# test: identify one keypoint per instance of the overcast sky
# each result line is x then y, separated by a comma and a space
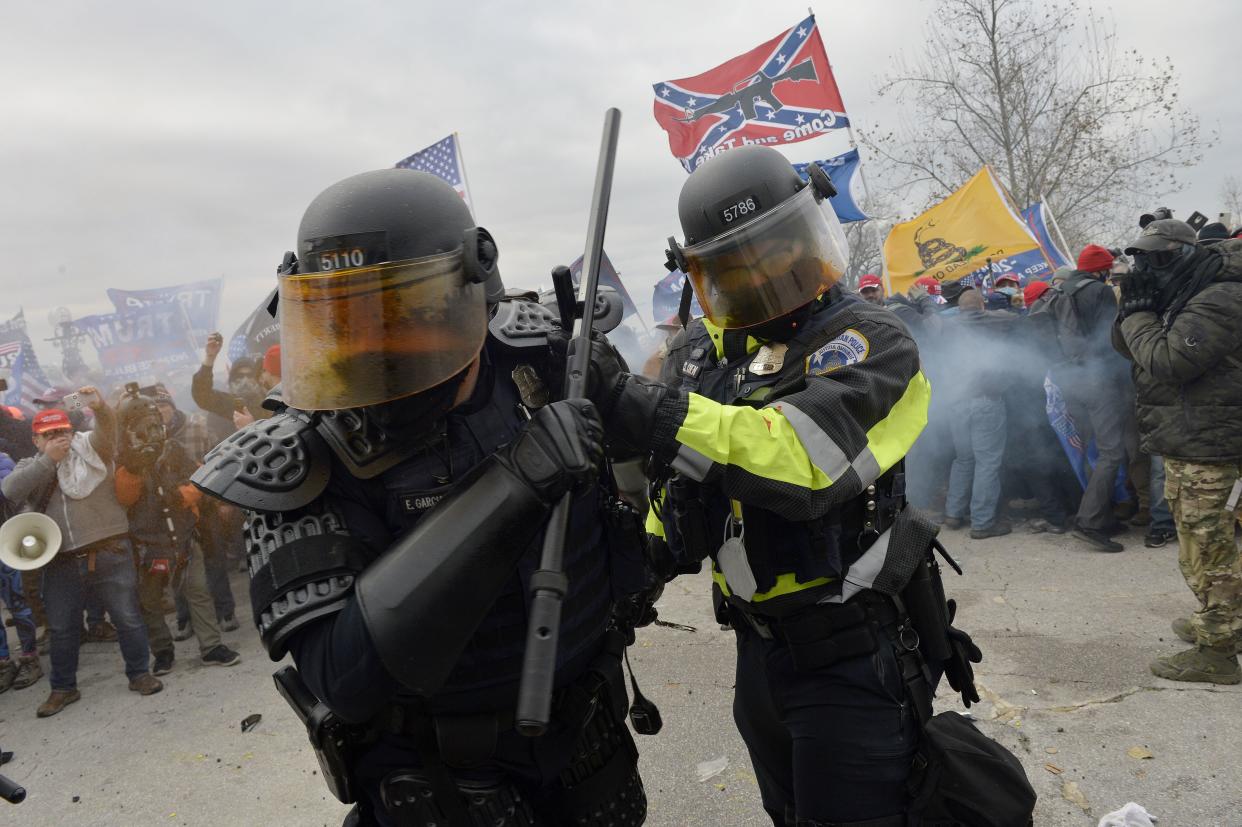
146, 143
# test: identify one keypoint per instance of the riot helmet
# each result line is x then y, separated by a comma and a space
388, 294
760, 242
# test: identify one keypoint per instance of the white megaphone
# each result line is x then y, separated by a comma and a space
29, 541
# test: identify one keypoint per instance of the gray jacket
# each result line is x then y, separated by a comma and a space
95, 517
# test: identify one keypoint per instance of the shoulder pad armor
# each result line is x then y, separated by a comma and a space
519, 323
302, 567
368, 441
274, 464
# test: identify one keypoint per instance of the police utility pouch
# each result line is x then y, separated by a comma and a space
962, 778
827, 633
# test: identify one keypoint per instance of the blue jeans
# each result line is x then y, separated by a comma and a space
1161, 514
115, 580
975, 477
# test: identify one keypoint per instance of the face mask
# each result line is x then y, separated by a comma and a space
420, 411
1007, 291
246, 388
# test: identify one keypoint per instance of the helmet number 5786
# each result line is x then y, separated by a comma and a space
735, 211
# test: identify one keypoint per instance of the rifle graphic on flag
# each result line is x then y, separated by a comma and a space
780, 92
443, 160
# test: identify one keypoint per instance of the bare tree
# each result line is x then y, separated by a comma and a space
866, 238
1045, 94
1231, 198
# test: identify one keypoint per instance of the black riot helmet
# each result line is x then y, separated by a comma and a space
388, 296
759, 241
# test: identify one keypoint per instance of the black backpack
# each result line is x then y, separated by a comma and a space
962, 778
1056, 321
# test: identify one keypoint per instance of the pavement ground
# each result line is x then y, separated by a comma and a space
1067, 634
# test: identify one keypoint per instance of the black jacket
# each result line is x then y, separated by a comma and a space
1188, 370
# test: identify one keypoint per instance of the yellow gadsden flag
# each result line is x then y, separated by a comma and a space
958, 236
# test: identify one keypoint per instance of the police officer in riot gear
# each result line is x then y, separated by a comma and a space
782, 421
395, 516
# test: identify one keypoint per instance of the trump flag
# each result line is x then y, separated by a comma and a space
778, 93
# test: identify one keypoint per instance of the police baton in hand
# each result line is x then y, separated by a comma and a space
549, 584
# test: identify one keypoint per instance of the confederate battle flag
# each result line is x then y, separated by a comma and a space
777, 93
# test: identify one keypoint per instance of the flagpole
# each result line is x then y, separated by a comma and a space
1065, 248
465, 179
862, 175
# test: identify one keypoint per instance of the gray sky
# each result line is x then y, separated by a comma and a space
145, 143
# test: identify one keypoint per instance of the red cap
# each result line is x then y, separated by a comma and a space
271, 361
15, 412
870, 280
1094, 259
1034, 290
53, 419
1008, 277
930, 283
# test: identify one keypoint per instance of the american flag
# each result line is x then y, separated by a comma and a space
19, 365
443, 160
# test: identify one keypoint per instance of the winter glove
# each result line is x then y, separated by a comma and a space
1138, 293
560, 450
958, 667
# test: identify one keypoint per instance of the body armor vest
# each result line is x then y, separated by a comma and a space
395, 500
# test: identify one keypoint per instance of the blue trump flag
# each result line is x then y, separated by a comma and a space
666, 298
1036, 218
841, 170
154, 340
201, 300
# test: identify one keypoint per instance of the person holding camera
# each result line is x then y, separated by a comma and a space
1178, 324
71, 481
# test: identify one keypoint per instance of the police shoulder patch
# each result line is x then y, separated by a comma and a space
849, 348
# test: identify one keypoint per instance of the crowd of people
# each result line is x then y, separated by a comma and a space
1105, 398
138, 542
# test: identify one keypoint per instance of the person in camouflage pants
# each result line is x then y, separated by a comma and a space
1209, 559
1179, 326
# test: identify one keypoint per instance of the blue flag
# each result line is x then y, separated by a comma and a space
260, 331
1035, 217
608, 277
666, 298
201, 300
1082, 455
841, 170
147, 342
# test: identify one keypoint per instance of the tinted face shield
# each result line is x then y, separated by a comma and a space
770, 266
368, 335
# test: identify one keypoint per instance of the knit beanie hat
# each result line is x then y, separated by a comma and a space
1094, 259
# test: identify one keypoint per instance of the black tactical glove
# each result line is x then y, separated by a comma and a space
560, 450
1138, 292
606, 362
640, 416
958, 667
